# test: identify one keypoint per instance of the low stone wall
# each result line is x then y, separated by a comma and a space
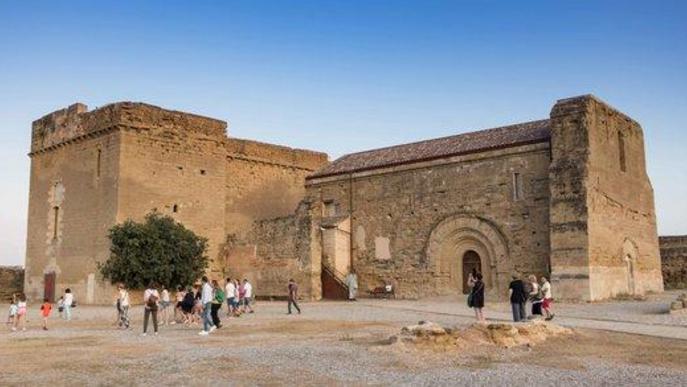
11, 281
674, 261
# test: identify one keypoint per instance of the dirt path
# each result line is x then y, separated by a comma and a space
330, 344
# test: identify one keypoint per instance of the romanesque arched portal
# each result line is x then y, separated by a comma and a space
459, 236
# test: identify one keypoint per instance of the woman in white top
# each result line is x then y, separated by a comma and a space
20, 319
165, 303
67, 303
151, 297
548, 299
230, 294
123, 302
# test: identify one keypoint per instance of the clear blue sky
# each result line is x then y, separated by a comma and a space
345, 76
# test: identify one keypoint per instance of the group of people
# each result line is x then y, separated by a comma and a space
538, 294
17, 316
193, 305
199, 304
520, 292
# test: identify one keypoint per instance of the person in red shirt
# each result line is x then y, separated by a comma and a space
46, 308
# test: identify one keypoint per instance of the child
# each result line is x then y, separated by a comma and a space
12, 313
20, 320
60, 306
165, 303
46, 308
68, 303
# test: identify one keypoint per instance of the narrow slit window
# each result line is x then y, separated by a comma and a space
175, 208
621, 152
517, 186
98, 163
55, 222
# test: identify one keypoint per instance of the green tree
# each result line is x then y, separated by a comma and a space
159, 249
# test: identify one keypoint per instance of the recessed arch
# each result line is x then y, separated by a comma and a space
629, 257
453, 237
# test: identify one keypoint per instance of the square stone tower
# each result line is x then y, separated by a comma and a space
90, 170
603, 222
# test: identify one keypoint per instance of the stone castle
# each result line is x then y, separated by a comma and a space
566, 196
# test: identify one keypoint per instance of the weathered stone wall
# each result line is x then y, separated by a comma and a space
674, 261
412, 224
268, 238
72, 203
603, 224
178, 173
579, 206
11, 282
272, 251
264, 181
123, 160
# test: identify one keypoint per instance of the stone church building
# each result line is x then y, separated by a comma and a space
566, 197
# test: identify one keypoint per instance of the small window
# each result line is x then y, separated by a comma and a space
202, 172
329, 208
55, 223
175, 208
621, 152
517, 186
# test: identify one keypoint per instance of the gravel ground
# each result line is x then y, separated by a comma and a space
330, 344
653, 311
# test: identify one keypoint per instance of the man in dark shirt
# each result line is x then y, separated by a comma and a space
293, 296
518, 297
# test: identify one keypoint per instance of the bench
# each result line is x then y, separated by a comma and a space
383, 292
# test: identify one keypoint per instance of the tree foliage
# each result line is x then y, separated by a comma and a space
159, 249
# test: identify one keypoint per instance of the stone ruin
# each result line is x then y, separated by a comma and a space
429, 335
679, 306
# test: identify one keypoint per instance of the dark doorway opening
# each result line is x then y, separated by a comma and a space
471, 261
49, 286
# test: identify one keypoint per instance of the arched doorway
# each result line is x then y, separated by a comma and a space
471, 261
629, 257
464, 239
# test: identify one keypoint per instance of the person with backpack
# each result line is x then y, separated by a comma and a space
151, 297
476, 296
217, 301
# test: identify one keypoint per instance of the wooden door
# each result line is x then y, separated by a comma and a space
49, 286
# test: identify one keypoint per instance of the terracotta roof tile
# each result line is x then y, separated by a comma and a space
483, 140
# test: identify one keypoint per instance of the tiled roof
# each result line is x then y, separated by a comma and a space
480, 141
